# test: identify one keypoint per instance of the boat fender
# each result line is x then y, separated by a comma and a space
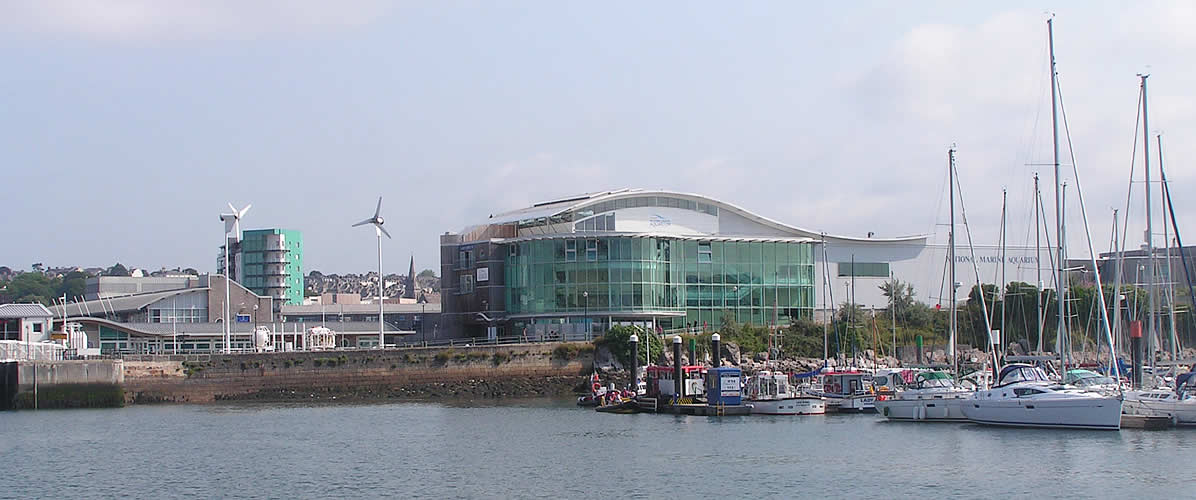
881, 397
596, 386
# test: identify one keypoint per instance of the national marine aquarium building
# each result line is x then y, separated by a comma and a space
654, 259
667, 259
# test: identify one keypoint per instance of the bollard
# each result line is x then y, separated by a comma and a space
716, 356
1135, 353
635, 364
678, 387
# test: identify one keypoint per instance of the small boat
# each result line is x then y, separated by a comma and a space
1025, 397
1179, 405
1091, 381
932, 397
769, 393
849, 391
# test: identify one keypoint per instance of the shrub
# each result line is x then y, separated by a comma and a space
444, 356
499, 358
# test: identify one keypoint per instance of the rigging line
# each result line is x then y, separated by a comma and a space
1054, 278
963, 213
1088, 234
1129, 192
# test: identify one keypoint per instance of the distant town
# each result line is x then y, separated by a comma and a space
43, 284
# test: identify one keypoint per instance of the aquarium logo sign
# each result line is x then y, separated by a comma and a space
657, 220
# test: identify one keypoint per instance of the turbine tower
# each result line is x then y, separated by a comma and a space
232, 224
377, 221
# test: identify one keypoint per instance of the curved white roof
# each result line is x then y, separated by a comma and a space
556, 207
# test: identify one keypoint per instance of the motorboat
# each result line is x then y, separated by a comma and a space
1025, 397
1179, 405
769, 393
933, 396
846, 391
1091, 381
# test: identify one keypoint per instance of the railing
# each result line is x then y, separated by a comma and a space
17, 350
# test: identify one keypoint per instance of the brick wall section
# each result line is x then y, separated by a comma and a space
237, 375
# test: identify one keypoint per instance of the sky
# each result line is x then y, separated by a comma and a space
127, 126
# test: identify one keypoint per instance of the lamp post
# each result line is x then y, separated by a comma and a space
585, 320
735, 293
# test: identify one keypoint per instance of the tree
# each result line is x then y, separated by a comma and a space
30, 287
71, 285
899, 293
618, 341
191, 270
426, 273
117, 269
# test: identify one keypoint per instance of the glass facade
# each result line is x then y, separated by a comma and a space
695, 280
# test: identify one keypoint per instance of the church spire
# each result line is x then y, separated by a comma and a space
409, 292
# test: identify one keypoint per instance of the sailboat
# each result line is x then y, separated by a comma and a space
1023, 395
933, 396
1178, 403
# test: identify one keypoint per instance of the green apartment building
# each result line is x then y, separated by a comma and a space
271, 264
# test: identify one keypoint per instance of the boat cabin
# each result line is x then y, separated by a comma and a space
660, 381
846, 383
1012, 374
766, 385
1087, 378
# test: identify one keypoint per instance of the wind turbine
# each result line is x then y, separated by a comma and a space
232, 223
377, 221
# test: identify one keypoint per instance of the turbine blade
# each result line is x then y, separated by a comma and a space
231, 207
243, 210
364, 222
378, 211
380, 228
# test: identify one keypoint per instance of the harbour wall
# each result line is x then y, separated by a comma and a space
61, 384
489, 371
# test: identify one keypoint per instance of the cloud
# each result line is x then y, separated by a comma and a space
186, 20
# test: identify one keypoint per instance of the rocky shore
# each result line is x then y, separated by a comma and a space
504, 388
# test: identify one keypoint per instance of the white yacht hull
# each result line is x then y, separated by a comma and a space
788, 406
1069, 413
852, 404
928, 409
1180, 412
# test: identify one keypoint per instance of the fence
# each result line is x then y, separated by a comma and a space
16, 350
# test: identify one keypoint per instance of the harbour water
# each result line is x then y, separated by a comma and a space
551, 448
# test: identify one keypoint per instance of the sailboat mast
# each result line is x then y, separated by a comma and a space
1151, 293
1058, 199
951, 258
1037, 259
1004, 198
1116, 326
894, 292
1163, 199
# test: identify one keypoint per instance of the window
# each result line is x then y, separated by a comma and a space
591, 249
704, 251
571, 250
864, 269
514, 250
466, 283
37, 328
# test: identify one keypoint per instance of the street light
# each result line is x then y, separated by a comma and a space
585, 320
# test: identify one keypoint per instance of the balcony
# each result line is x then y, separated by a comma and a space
275, 258
276, 270
276, 282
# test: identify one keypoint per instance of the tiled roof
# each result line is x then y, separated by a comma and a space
24, 311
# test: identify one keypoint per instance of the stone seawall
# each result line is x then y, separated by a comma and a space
490, 371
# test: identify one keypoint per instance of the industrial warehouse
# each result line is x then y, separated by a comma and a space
572, 267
